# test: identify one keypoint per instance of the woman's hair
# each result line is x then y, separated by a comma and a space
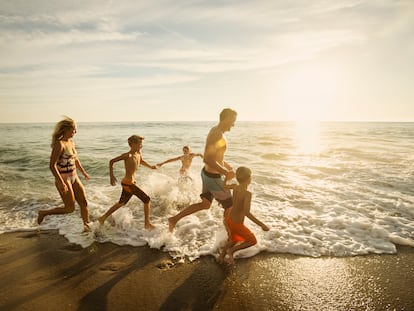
243, 174
60, 128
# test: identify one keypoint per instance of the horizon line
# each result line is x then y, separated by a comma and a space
177, 121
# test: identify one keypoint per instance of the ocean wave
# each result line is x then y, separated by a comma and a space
351, 196
274, 156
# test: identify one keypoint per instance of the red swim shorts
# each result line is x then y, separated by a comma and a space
239, 232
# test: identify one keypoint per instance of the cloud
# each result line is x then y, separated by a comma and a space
97, 47
86, 47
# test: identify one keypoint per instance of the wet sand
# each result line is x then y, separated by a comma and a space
43, 271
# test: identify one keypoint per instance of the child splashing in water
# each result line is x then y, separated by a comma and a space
186, 160
240, 237
132, 160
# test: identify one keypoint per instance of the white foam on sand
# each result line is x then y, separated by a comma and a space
310, 228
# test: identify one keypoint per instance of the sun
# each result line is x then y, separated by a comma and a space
310, 93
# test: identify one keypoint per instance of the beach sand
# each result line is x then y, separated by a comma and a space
43, 271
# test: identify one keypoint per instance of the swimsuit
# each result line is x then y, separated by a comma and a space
70, 177
213, 187
66, 163
239, 232
129, 188
67, 167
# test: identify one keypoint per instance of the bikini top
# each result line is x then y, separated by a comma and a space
66, 162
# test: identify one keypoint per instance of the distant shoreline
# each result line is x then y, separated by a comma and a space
206, 121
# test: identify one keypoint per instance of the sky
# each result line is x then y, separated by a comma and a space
132, 60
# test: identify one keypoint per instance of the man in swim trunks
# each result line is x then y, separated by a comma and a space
240, 236
214, 171
132, 160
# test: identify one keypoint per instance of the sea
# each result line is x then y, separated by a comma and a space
324, 189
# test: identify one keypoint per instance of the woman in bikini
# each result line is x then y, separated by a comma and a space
63, 163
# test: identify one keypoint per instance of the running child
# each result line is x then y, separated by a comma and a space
240, 237
132, 160
186, 159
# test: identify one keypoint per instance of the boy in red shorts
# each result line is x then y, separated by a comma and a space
240, 236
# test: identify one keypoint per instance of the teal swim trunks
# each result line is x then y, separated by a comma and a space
213, 187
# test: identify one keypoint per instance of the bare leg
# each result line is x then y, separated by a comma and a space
223, 253
109, 212
229, 242
230, 259
68, 199
54, 211
148, 224
225, 215
40, 215
193, 208
235, 248
85, 217
80, 197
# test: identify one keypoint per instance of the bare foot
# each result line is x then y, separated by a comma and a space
111, 221
149, 226
86, 227
101, 220
220, 258
230, 260
40, 217
171, 224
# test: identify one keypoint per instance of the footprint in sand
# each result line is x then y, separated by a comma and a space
165, 264
72, 247
4, 249
112, 267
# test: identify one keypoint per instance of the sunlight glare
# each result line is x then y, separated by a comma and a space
306, 136
310, 93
